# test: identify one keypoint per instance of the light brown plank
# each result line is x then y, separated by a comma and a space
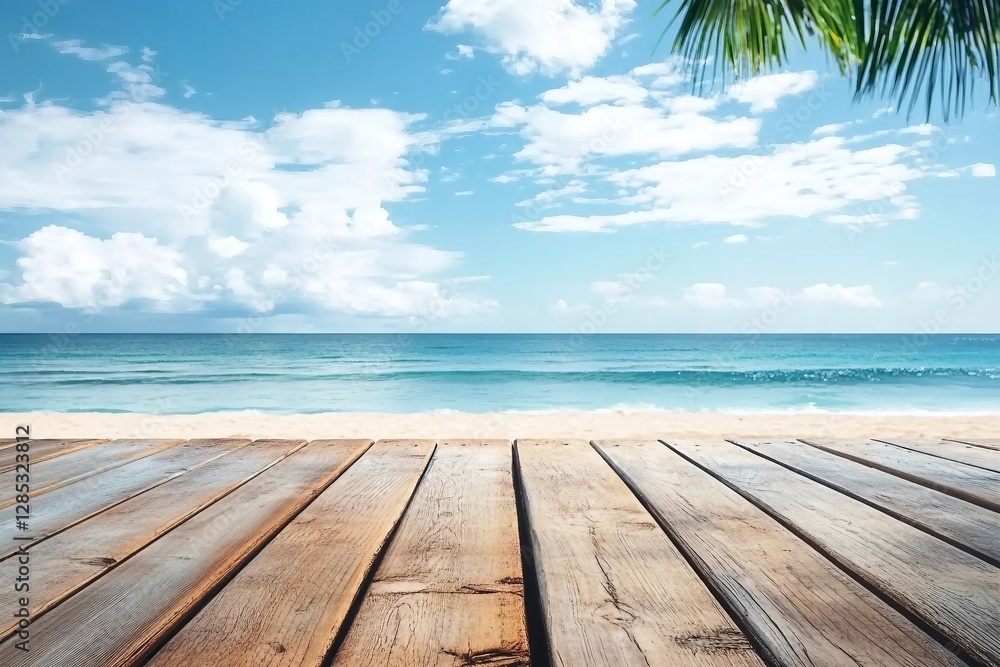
950, 590
42, 450
69, 561
614, 590
449, 590
120, 617
978, 442
76, 502
953, 451
287, 605
5, 443
58, 472
973, 527
803, 610
974, 485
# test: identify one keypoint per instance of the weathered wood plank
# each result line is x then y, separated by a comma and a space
69, 561
978, 442
973, 527
58, 472
449, 590
802, 609
952, 451
76, 502
614, 590
974, 485
287, 606
118, 619
950, 590
42, 450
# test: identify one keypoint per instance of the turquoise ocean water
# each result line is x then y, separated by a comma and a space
178, 374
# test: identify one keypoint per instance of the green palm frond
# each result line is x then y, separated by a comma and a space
900, 48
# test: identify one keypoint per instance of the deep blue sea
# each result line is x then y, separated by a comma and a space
178, 374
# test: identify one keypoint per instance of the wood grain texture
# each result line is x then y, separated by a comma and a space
121, 617
449, 590
42, 450
975, 528
802, 609
614, 590
69, 561
974, 485
953, 451
978, 442
58, 472
950, 590
288, 604
76, 502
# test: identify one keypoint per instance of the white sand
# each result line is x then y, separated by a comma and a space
591, 425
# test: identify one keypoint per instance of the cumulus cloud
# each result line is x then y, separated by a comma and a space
983, 170
65, 266
546, 36
763, 92
177, 210
736, 239
861, 296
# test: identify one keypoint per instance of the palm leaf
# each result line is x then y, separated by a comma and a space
906, 49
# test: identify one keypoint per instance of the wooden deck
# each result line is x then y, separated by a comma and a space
486, 552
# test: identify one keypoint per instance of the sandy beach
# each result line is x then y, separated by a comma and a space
569, 424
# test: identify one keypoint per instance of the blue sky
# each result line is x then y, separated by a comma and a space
469, 165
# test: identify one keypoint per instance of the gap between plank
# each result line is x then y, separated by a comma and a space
114, 566
760, 649
934, 634
366, 582
539, 649
154, 647
972, 551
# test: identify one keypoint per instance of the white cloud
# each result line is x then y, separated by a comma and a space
763, 92
700, 244
802, 180
591, 90
717, 295
76, 48
465, 193
983, 170
547, 36
67, 267
931, 291
707, 295
189, 90
177, 210
559, 140
861, 296
736, 239
832, 128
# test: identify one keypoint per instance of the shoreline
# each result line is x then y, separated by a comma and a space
609, 424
